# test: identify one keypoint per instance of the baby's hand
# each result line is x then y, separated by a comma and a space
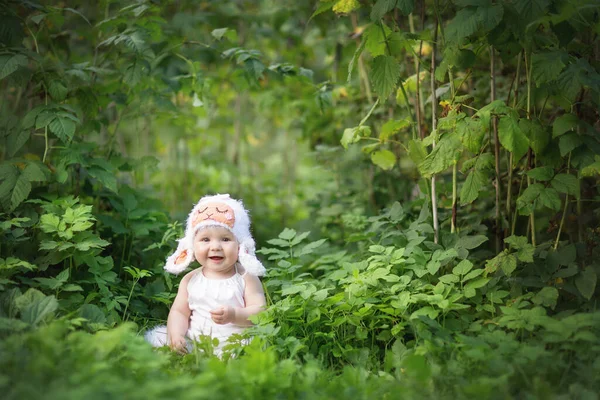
179, 345
223, 315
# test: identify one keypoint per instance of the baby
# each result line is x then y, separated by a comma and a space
217, 298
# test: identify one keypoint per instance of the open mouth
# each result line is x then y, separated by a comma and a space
216, 258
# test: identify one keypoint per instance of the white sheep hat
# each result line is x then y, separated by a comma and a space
218, 210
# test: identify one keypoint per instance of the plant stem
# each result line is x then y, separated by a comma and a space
510, 159
128, 299
562, 219
496, 150
528, 74
454, 210
417, 60
433, 128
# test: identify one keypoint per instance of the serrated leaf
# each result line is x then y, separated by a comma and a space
511, 137
345, 6
446, 152
541, 173
547, 66
57, 90
35, 306
106, 178
405, 6
381, 7
471, 133
586, 282
322, 7
34, 173
287, 234
20, 191
506, 262
476, 180
568, 143
392, 127
464, 24
471, 242
528, 10
528, 197
254, 68
385, 74
63, 128
16, 140
375, 39
546, 297
477, 283
566, 183
564, 123
537, 135
133, 73
549, 198
416, 151
349, 136
355, 57
9, 63
384, 159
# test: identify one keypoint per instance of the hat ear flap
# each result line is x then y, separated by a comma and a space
180, 259
248, 259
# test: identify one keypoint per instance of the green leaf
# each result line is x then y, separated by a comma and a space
375, 39
541, 173
350, 136
322, 7
592, 169
355, 57
229, 34
471, 242
9, 63
564, 123
20, 192
392, 127
35, 306
464, 24
566, 183
549, 198
16, 140
477, 283
529, 10
416, 151
381, 8
385, 74
445, 153
568, 143
133, 73
384, 159
91, 242
490, 16
57, 90
405, 6
471, 133
537, 135
476, 180
462, 268
505, 261
34, 173
547, 66
63, 128
287, 234
106, 178
546, 297
345, 6
279, 242
586, 282
527, 198
511, 137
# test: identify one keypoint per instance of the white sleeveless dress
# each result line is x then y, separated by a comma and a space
206, 294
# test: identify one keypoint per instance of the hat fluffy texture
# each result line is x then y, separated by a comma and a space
219, 210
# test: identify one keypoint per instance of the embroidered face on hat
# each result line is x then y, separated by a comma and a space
218, 210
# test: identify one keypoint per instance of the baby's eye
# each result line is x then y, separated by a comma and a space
204, 239
226, 239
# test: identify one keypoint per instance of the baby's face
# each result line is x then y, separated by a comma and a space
217, 212
216, 249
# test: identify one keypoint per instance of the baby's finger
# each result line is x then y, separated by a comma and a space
216, 312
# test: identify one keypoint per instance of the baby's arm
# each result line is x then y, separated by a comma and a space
179, 316
254, 297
